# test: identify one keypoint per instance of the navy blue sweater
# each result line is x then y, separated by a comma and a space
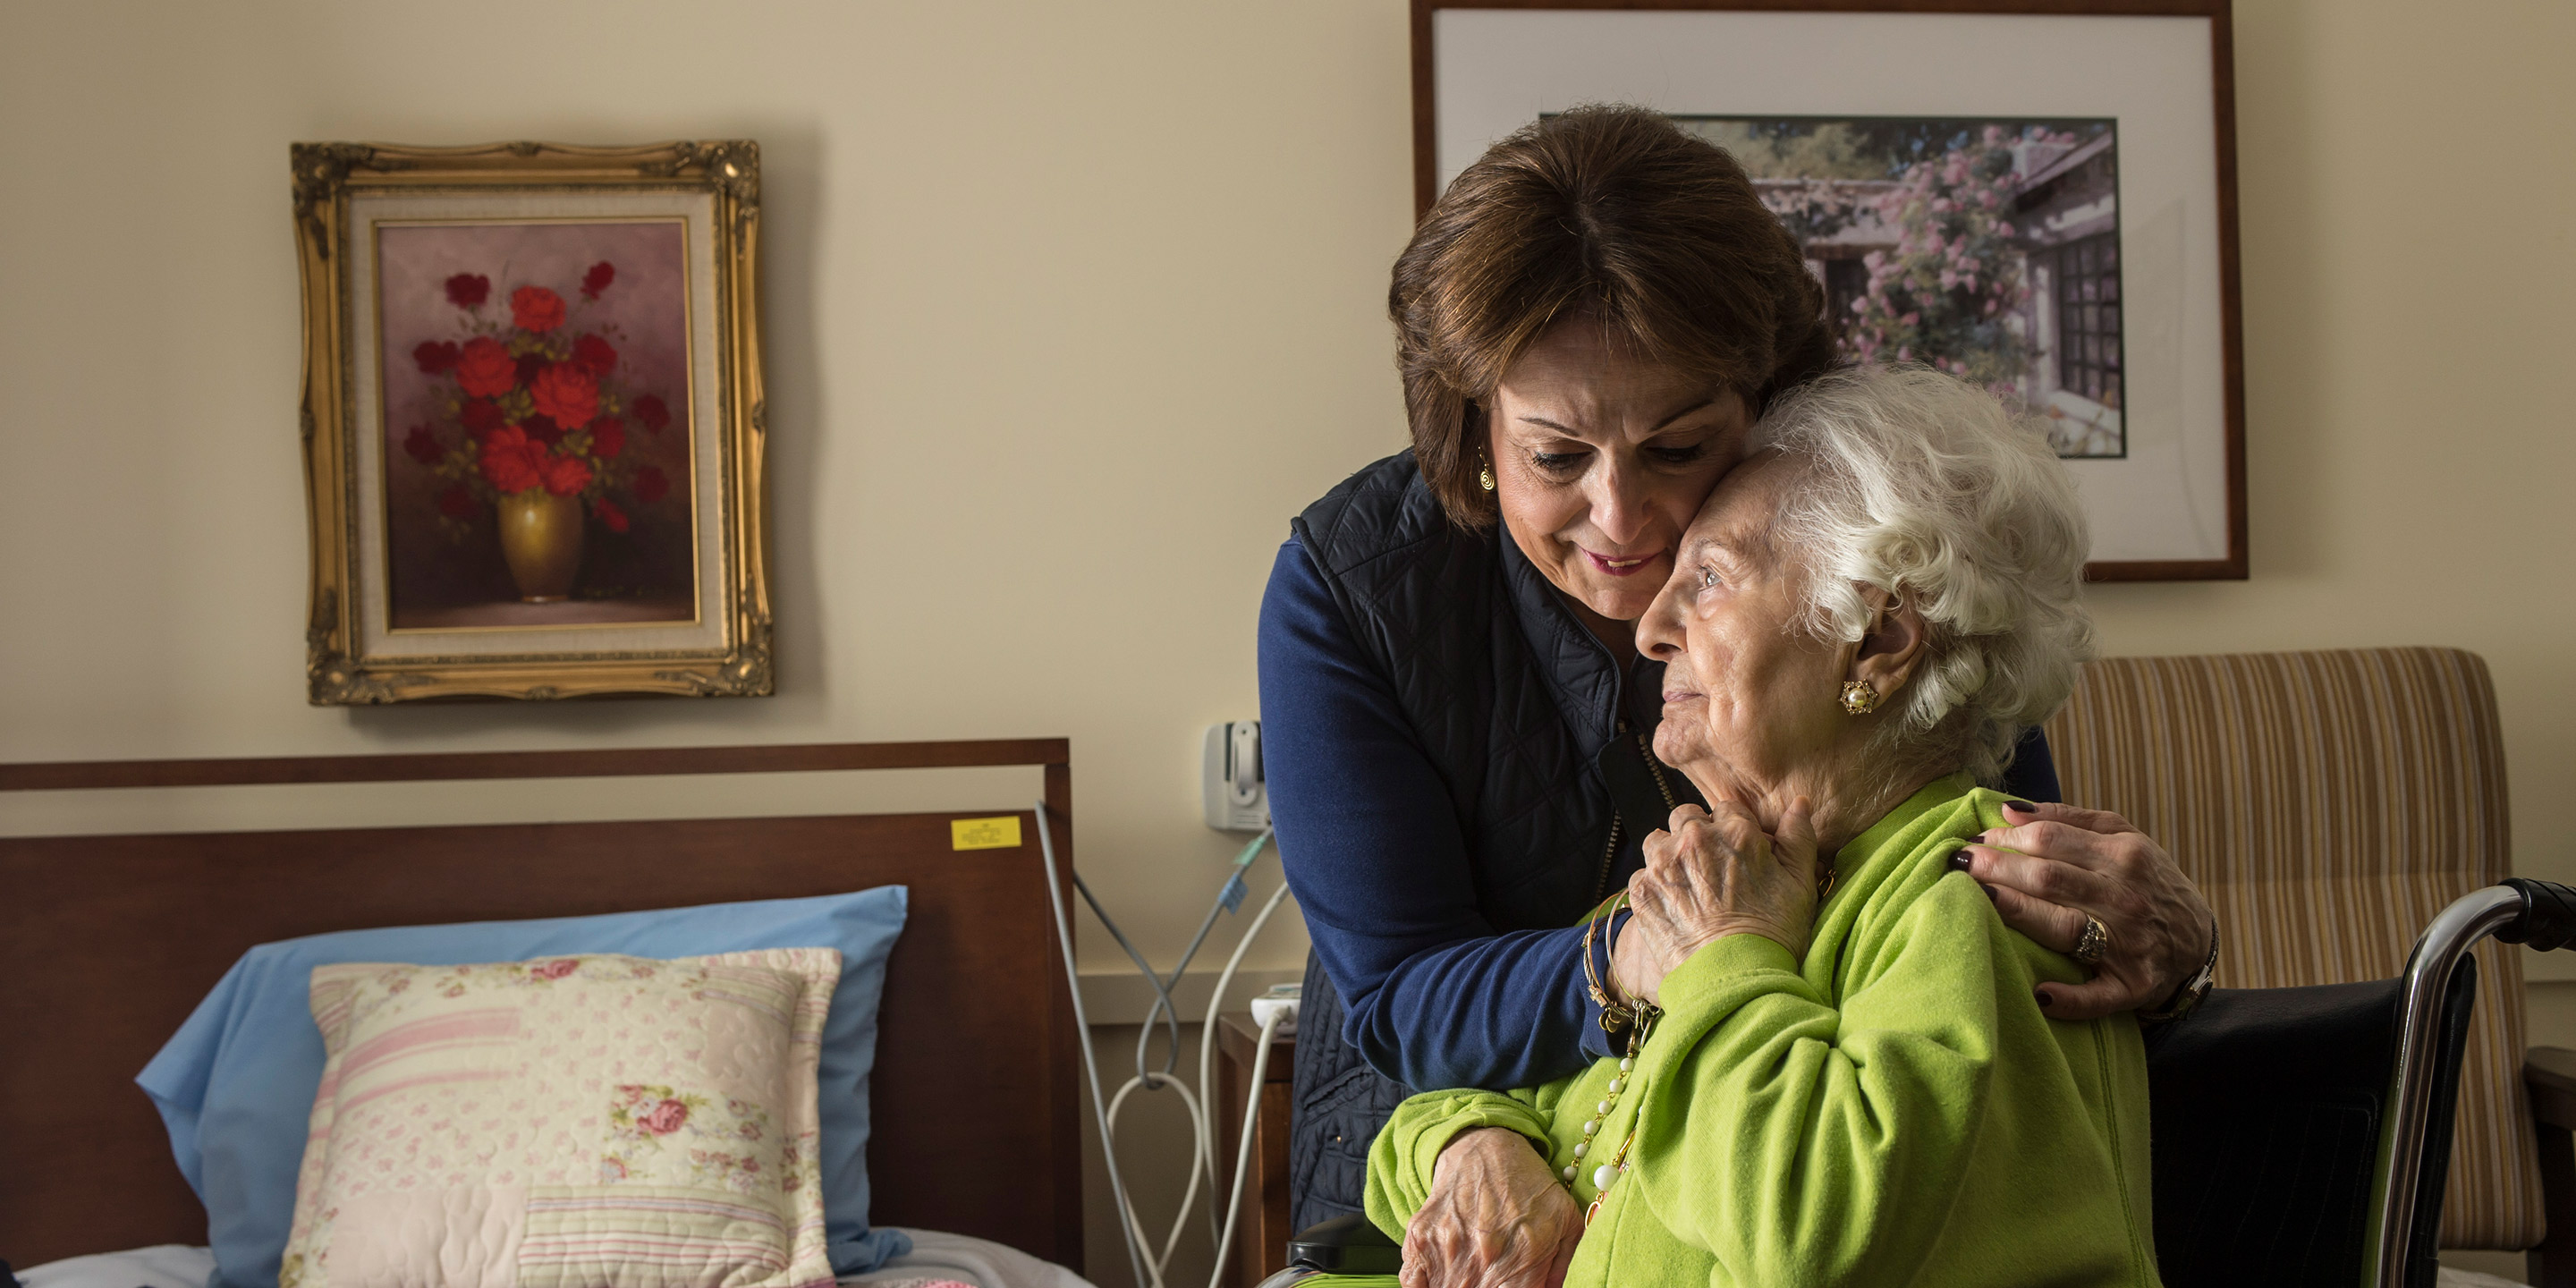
1434, 996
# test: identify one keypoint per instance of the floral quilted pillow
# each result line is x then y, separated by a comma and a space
567, 1123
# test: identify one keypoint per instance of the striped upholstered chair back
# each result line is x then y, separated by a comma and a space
2329, 804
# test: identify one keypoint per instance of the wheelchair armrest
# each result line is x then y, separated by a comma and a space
1347, 1245
2550, 1074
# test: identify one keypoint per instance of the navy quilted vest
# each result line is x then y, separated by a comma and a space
1512, 700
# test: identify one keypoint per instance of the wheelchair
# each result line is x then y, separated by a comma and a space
2302, 1135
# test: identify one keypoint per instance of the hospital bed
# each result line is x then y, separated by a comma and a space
108, 942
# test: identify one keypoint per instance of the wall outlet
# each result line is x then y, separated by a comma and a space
1230, 781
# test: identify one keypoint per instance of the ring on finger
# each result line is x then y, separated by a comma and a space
2089, 946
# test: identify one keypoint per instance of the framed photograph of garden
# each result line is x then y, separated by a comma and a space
532, 421
2036, 200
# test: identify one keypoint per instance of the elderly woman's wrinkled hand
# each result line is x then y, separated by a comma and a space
1495, 1218
2048, 874
1715, 873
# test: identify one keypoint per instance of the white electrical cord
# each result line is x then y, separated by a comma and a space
1147, 1265
1207, 1036
1189, 1196
1082, 1038
1243, 1147
1202, 1125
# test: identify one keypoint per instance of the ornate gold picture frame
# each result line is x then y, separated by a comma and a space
533, 421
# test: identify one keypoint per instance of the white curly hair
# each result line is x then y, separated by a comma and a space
1931, 491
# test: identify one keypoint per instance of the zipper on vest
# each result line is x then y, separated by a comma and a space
1609, 856
1656, 769
1610, 848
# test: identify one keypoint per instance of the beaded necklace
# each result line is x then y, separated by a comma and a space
1631, 1021
1635, 1021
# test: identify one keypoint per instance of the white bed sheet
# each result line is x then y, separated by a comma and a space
980, 1262
935, 1255
171, 1265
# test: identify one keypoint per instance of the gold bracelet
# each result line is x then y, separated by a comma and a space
1592, 925
1619, 1019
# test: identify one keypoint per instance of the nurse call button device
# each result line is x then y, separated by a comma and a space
1230, 780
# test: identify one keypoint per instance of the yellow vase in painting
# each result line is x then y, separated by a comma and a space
541, 539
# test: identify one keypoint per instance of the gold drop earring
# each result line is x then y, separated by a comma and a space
1484, 476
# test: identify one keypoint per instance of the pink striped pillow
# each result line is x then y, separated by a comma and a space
565, 1122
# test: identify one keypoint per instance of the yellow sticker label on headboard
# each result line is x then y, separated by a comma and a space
984, 833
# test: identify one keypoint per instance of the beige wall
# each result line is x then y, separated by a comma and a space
1070, 307
2407, 243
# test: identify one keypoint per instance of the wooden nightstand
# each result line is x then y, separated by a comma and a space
1261, 1233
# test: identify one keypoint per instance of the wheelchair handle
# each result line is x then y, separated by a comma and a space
2547, 921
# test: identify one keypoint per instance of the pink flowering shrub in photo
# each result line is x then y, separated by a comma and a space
1951, 291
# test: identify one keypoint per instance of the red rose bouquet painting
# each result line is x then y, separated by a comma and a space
536, 467
534, 426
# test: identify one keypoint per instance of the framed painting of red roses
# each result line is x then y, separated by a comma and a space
532, 421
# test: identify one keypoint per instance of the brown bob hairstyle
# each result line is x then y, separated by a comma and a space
1609, 212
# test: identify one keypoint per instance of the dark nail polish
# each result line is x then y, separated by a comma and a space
1959, 861
2042, 995
1990, 890
2024, 806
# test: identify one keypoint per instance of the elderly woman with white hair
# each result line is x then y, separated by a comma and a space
1834, 1068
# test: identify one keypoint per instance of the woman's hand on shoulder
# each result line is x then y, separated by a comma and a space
1715, 873
1495, 1218
2047, 873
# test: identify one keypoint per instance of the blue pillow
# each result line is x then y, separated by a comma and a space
236, 1083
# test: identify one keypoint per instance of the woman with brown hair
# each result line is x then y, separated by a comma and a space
1458, 725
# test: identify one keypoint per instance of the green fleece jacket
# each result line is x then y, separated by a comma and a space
1896, 1110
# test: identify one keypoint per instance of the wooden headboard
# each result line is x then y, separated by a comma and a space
108, 942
